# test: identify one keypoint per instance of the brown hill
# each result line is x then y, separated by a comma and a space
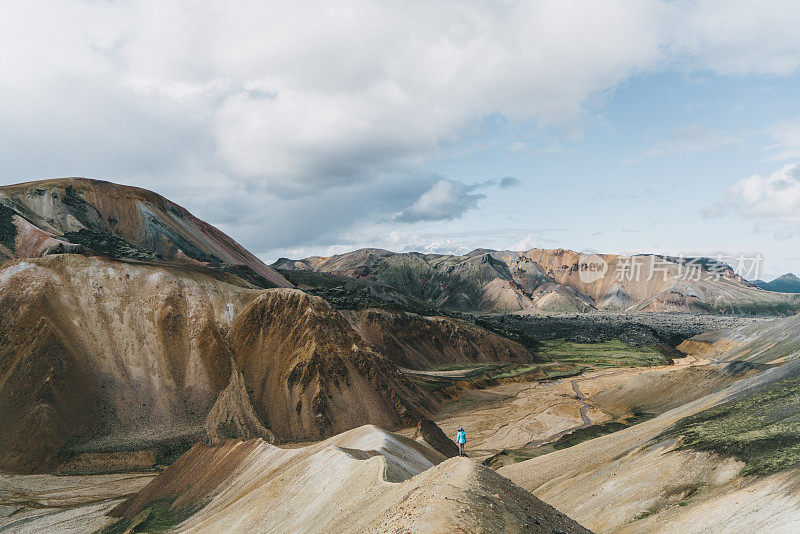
82, 215
100, 355
311, 374
556, 281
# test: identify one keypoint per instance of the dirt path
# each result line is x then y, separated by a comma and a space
583, 411
627, 372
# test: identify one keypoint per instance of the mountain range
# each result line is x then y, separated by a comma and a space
555, 281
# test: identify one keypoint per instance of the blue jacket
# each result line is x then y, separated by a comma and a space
461, 437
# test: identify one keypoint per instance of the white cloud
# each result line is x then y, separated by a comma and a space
288, 111
526, 243
445, 200
736, 37
776, 196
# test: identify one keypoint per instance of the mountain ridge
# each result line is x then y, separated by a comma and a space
82, 215
554, 281
787, 283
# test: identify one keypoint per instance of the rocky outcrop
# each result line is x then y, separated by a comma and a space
312, 375
436, 438
232, 415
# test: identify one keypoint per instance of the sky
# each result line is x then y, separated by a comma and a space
314, 128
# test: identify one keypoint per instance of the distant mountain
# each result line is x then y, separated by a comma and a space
555, 281
91, 216
788, 283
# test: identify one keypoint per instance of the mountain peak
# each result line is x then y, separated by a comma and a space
118, 221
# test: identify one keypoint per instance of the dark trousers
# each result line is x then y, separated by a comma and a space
461, 449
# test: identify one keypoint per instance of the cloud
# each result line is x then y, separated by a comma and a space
688, 140
509, 181
735, 37
526, 243
289, 124
445, 200
776, 196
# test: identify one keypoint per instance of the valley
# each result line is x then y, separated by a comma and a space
156, 377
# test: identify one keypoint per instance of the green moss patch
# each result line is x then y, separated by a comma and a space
157, 517
108, 245
762, 430
563, 359
8, 230
613, 353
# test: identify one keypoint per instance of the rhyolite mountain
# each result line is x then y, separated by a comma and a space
788, 283
100, 355
551, 281
130, 329
93, 216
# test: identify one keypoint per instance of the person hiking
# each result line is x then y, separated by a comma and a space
461, 439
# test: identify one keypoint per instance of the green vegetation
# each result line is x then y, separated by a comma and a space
245, 273
762, 430
479, 375
469, 367
108, 245
613, 353
8, 230
157, 517
766, 308
347, 293
562, 359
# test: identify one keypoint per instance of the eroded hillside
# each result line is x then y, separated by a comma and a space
722, 455
100, 356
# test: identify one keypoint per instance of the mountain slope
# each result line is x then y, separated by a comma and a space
788, 283
82, 215
100, 355
725, 462
555, 281
97, 354
757, 345
365, 480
